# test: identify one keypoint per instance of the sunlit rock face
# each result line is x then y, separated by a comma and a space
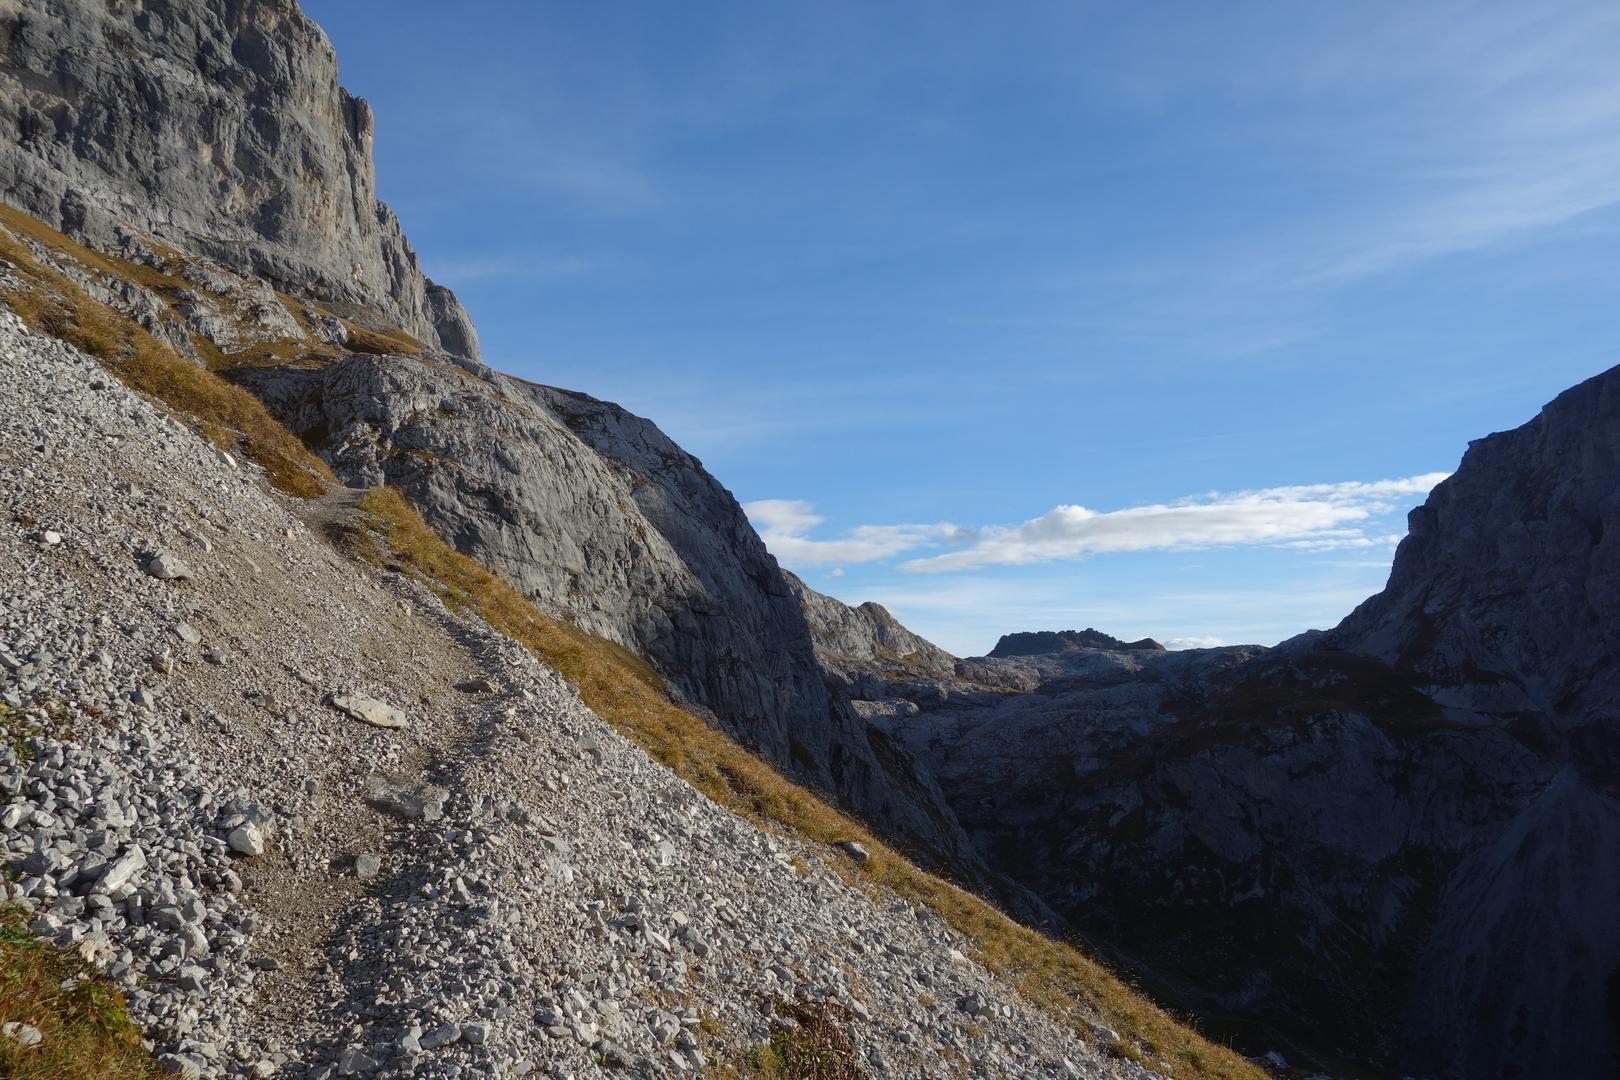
602, 519
219, 128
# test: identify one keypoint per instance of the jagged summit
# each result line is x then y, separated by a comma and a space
1040, 642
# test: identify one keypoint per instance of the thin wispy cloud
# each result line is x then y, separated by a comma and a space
784, 523
1307, 517
1508, 120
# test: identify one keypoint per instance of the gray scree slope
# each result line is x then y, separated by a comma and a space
502, 887
599, 517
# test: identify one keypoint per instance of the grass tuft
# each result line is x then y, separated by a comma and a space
228, 416
621, 689
87, 1033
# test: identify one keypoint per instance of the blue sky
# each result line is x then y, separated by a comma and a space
1149, 317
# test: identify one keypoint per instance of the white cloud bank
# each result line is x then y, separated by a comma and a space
1195, 642
1307, 517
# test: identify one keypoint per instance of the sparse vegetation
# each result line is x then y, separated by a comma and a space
80, 1016
627, 693
808, 1044
49, 720
228, 416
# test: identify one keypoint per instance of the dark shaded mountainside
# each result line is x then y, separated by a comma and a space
1039, 642
1397, 842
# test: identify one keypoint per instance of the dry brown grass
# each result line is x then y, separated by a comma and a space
627, 693
228, 416
81, 1016
809, 1043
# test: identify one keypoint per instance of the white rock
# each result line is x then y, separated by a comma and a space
443, 1035
166, 567
120, 872
369, 710
23, 1034
246, 840
855, 851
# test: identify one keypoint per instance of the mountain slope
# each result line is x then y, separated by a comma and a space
236, 696
498, 883
163, 132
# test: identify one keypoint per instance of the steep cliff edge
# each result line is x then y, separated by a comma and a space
1503, 594
218, 128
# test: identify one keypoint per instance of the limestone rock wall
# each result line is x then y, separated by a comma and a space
219, 128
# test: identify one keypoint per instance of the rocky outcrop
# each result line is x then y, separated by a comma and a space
1398, 841
1503, 594
865, 638
1038, 642
599, 517
222, 130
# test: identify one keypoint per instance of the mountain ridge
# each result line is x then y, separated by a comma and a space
1037, 642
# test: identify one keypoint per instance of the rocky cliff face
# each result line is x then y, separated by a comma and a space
219, 128
599, 517
1397, 840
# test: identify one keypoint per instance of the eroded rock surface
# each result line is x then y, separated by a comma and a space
599, 517
219, 128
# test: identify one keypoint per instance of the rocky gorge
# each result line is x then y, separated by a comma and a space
549, 768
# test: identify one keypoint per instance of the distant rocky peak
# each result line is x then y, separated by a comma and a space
1041, 642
